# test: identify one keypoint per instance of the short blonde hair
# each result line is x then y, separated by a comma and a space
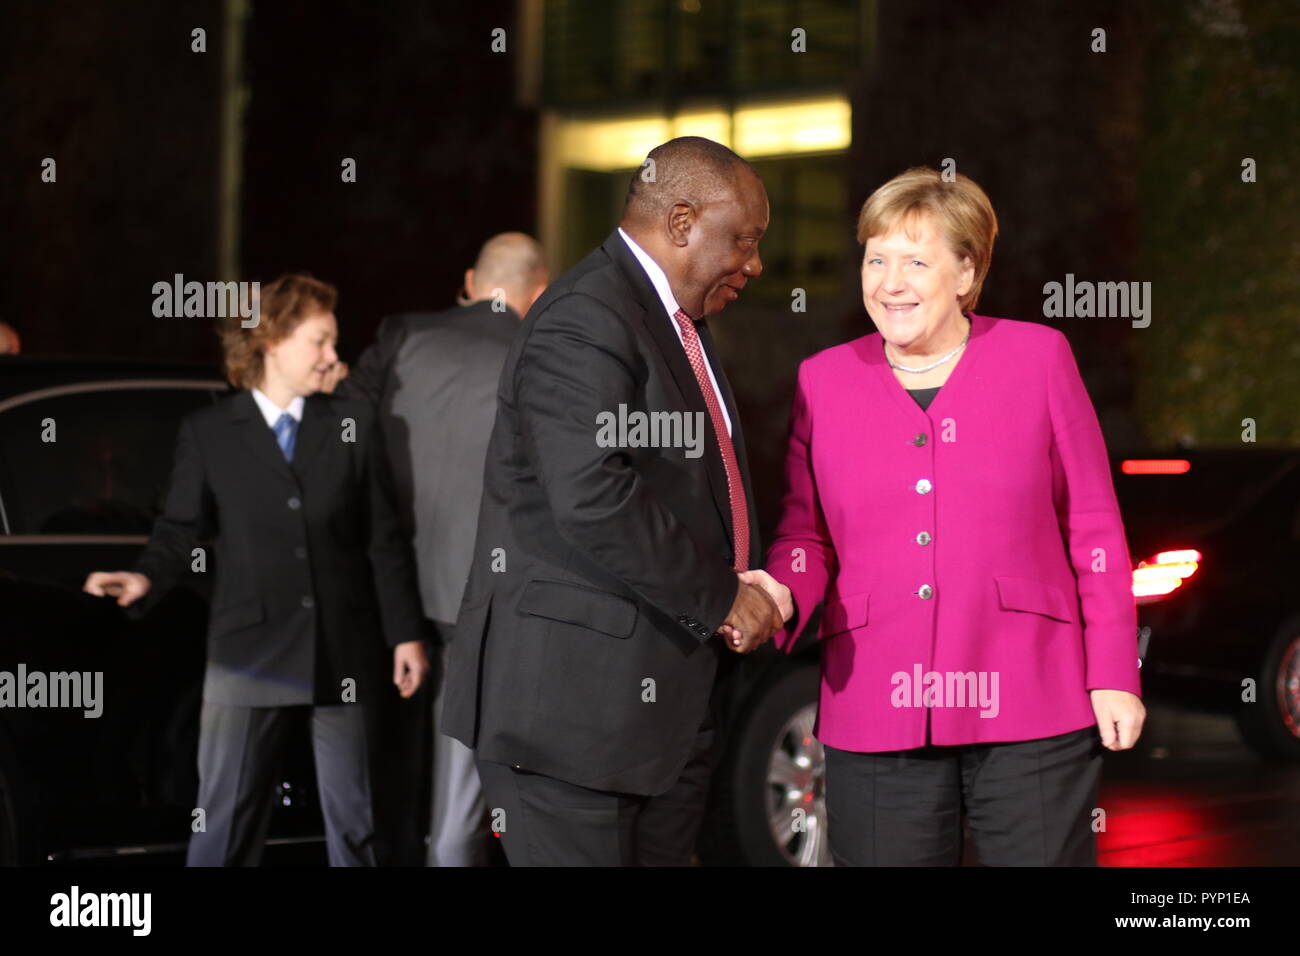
959, 208
282, 305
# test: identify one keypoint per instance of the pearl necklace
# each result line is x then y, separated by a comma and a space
933, 365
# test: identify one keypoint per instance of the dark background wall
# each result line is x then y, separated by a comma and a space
444, 159
1114, 166
113, 92
1049, 129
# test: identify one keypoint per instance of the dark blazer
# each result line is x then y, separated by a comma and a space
313, 578
585, 648
433, 377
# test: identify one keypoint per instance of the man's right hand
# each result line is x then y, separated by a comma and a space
127, 586
753, 619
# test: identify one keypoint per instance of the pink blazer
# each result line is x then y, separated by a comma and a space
971, 557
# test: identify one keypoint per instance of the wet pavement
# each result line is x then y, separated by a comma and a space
1192, 794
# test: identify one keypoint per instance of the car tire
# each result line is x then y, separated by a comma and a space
1270, 725
775, 765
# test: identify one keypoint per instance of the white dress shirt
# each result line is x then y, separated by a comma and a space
660, 282
272, 412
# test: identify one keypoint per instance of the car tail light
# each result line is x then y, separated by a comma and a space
1155, 466
1164, 573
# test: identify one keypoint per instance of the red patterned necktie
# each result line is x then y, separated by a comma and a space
735, 487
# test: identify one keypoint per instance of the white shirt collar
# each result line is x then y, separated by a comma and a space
657, 276
272, 412
660, 281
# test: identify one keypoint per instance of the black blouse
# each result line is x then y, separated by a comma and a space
924, 396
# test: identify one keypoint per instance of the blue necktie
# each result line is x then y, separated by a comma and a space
286, 432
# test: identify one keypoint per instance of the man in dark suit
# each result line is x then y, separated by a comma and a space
606, 557
433, 378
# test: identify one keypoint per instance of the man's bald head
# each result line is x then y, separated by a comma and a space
9, 342
690, 168
512, 262
698, 210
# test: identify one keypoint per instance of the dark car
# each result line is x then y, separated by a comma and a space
1216, 539
85, 455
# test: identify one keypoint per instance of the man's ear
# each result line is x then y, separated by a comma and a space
680, 220
469, 285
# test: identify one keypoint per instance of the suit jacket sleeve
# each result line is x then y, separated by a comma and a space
366, 381
802, 556
389, 550
1091, 526
185, 521
577, 362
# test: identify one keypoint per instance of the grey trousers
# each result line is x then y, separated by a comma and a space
458, 833
239, 750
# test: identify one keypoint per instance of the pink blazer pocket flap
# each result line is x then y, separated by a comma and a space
1027, 594
845, 613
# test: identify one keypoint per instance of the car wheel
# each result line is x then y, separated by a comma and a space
771, 795
1271, 724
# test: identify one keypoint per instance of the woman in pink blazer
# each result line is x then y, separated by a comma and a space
950, 505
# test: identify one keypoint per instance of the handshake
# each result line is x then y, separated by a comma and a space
762, 607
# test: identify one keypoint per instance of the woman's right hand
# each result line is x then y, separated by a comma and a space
127, 586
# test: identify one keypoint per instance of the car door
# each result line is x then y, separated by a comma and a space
83, 470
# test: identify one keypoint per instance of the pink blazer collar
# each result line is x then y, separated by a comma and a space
871, 349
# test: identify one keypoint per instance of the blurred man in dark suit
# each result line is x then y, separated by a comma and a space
433, 377
607, 559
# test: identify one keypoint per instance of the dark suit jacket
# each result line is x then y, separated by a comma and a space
585, 648
313, 578
433, 376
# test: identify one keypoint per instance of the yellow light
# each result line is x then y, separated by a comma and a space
1167, 572
711, 125
1155, 587
772, 129
610, 144
780, 129
1188, 556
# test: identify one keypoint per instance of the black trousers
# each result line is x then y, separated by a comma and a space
1027, 803
550, 822
239, 751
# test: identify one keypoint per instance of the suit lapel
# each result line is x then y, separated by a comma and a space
256, 436
659, 324
318, 423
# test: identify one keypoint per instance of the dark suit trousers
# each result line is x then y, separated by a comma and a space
1028, 803
550, 822
239, 750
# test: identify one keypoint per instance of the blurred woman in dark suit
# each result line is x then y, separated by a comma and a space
314, 580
